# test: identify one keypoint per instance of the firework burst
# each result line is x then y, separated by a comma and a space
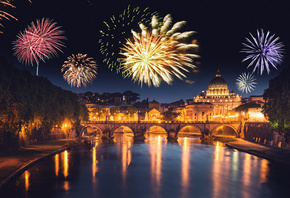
158, 54
263, 51
40, 41
246, 82
5, 15
79, 69
117, 29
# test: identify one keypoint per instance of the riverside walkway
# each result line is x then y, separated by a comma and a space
13, 164
273, 154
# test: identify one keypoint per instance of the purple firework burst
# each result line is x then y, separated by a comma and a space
263, 51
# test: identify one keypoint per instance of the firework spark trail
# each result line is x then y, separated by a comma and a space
79, 69
263, 51
246, 82
158, 54
117, 29
5, 15
40, 41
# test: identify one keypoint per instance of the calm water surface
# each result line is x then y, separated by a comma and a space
153, 168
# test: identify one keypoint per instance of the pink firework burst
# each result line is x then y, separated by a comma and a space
40, 41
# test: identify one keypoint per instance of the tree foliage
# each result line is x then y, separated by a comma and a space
277, 106
99, 112
114, 110
33, 102
131, 110
169, 115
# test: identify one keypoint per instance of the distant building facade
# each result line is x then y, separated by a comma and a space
216, 104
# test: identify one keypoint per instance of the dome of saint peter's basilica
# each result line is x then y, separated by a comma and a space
218, 86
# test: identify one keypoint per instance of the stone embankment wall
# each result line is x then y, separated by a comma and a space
40, 136
263, 134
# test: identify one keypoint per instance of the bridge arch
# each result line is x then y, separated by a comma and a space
122, 129
90, 130
189, 130
155, 129
224, 130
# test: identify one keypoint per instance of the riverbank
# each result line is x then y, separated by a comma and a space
273, 154
13, 164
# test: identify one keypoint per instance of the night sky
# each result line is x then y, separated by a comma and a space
222, 26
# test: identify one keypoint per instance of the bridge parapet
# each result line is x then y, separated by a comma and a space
140, 127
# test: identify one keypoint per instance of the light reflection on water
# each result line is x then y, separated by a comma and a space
185, 165
153, 168
56, 161
27, 174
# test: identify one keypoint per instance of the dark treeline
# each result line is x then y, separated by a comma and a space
277, 106
29, 103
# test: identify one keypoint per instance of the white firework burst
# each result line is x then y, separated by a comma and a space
79, 69
246, 82
159, 53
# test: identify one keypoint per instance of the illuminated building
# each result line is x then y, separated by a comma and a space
216, 104
199, 111
154, 104
255, 115
154, 115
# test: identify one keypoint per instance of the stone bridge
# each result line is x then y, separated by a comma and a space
172, 129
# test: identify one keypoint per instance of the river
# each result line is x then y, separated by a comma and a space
153, 168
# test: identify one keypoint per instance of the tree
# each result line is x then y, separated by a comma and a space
100, 112
277, 106
169, 115
131, 110
114, 110
131, 96
32, 103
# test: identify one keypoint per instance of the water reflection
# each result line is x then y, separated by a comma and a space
56, 162
155, 142
185, 164
61, 162
126, 155
124, 142
65, 163
247, 170
217, 171
263, 170
95, 162
27, 174
153, 168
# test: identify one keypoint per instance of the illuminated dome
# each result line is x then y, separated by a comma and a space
218, 82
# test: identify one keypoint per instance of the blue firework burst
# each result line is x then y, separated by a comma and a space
263, 51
